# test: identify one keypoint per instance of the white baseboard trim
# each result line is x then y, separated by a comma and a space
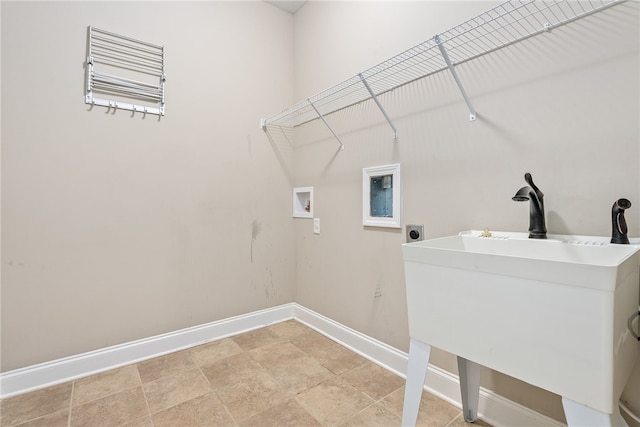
70, 368
493, 408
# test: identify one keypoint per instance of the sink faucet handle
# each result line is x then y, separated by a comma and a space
529, 179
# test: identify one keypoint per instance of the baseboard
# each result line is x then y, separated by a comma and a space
69, 368
493, 408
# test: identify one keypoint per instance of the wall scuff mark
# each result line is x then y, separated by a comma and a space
256, 228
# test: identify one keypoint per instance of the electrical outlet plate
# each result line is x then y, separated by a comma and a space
415, 233
316, 225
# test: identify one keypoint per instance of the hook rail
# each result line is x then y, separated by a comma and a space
119, 66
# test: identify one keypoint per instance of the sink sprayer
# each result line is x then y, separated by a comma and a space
618, 223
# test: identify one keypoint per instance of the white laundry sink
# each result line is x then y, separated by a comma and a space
553, 313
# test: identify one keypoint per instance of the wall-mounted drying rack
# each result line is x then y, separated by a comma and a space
126, 70
503, 25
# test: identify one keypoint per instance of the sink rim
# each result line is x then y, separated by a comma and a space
576, 239
571, 249
598, 266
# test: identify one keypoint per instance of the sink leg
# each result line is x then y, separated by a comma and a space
469, 388
416, 373
584, 416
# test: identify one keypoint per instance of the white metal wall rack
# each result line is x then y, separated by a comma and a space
505, 24
129, 71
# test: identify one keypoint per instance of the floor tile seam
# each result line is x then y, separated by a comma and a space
374, 403
278, 365
224, 405
207, 365
148, 414
235, 422
73, 389
453, 420
131, 421
344, 374
208, 390
41, 416
305, 408
383, 397
146, 402
334, 378
305, 352
72, 406
172, 372
372, 397
37, 418
269, 369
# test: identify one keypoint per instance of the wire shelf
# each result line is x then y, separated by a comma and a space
503, 25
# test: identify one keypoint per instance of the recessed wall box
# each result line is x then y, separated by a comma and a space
415, 233
381, 196
303, 202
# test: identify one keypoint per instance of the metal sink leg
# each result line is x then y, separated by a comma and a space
416, 372
469, 388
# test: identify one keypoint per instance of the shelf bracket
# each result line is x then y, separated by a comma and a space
384, 113
326, 124
454, 73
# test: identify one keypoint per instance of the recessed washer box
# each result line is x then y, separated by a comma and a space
303, 202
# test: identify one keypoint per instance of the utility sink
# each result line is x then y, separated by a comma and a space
555, 313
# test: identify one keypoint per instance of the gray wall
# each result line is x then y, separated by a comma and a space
563, 106
116, 228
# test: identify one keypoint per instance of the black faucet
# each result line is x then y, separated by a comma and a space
537, 227
618, 223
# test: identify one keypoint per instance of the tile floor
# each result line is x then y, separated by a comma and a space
281, 375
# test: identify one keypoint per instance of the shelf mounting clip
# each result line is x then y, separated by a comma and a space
454, 73
382, 110
325, 122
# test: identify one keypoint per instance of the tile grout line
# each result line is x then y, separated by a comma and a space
73, 387
144, 393
453, 420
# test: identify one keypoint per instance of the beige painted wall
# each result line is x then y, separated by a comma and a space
116, 228
563, 106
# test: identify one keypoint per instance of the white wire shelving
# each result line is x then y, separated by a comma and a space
129, 72
503, 25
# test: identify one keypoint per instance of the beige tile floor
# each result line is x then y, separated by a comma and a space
282, 375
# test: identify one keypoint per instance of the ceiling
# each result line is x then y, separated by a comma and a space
290, 6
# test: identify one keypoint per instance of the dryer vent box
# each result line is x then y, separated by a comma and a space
415, 233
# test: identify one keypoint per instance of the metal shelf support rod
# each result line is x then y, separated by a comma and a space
382, 110
326, 124
454, 73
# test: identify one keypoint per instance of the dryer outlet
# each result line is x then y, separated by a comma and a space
415, 233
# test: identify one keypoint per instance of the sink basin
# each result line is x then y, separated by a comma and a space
552, 313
